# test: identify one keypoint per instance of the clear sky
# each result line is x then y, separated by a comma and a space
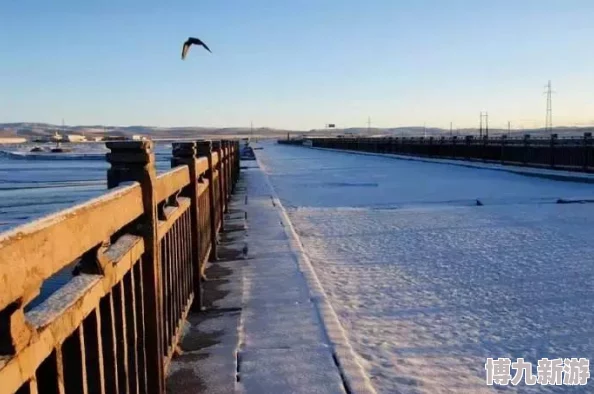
296, 64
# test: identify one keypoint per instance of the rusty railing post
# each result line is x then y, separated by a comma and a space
135, 161
185, 153
204, 149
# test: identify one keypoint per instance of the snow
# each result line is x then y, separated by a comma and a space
426, 283
263, 332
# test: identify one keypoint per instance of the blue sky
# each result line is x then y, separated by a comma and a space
296, 64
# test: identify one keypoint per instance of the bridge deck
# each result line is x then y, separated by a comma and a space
262, 332
427, 282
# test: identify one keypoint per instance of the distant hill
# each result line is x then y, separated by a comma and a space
31, 130
411, 131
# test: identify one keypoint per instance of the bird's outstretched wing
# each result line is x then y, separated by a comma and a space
185, 49
197, 41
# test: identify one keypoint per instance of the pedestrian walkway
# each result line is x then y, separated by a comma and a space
262, 331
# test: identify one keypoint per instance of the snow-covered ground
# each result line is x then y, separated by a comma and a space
427, 283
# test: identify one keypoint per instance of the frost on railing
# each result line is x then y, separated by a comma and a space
137, 254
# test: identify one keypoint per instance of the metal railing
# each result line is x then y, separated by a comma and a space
139, 251
573, 154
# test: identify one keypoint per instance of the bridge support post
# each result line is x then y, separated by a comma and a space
135, 161
185, 153
204, 149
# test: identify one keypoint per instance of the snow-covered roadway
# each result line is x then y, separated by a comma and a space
427, 282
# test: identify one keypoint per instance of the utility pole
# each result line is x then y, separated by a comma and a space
450, 129
508, 127
368, 124
486, 116
424, 130
549, 116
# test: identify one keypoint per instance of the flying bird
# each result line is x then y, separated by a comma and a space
191, 41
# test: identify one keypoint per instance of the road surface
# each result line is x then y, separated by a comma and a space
427, 282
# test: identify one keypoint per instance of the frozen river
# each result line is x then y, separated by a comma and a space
427, 283
34, 185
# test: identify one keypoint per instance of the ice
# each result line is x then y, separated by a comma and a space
426, 283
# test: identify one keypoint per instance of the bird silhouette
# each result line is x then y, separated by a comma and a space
189, 42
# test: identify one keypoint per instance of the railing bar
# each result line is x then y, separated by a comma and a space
172, 289
33, 389
189, 272
170, 304
120, 325
164, 287
71, 364
181, 278
60, 379
178, 276
141, 332
83, 358
185, 238
131, 331
185, 241
94, 353
109, 342
175, 278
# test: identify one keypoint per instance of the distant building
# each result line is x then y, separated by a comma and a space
75, 138
138, 137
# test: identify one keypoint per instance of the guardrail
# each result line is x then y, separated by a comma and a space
573, 154
139, 251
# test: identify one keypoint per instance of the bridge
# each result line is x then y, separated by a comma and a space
306, 270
